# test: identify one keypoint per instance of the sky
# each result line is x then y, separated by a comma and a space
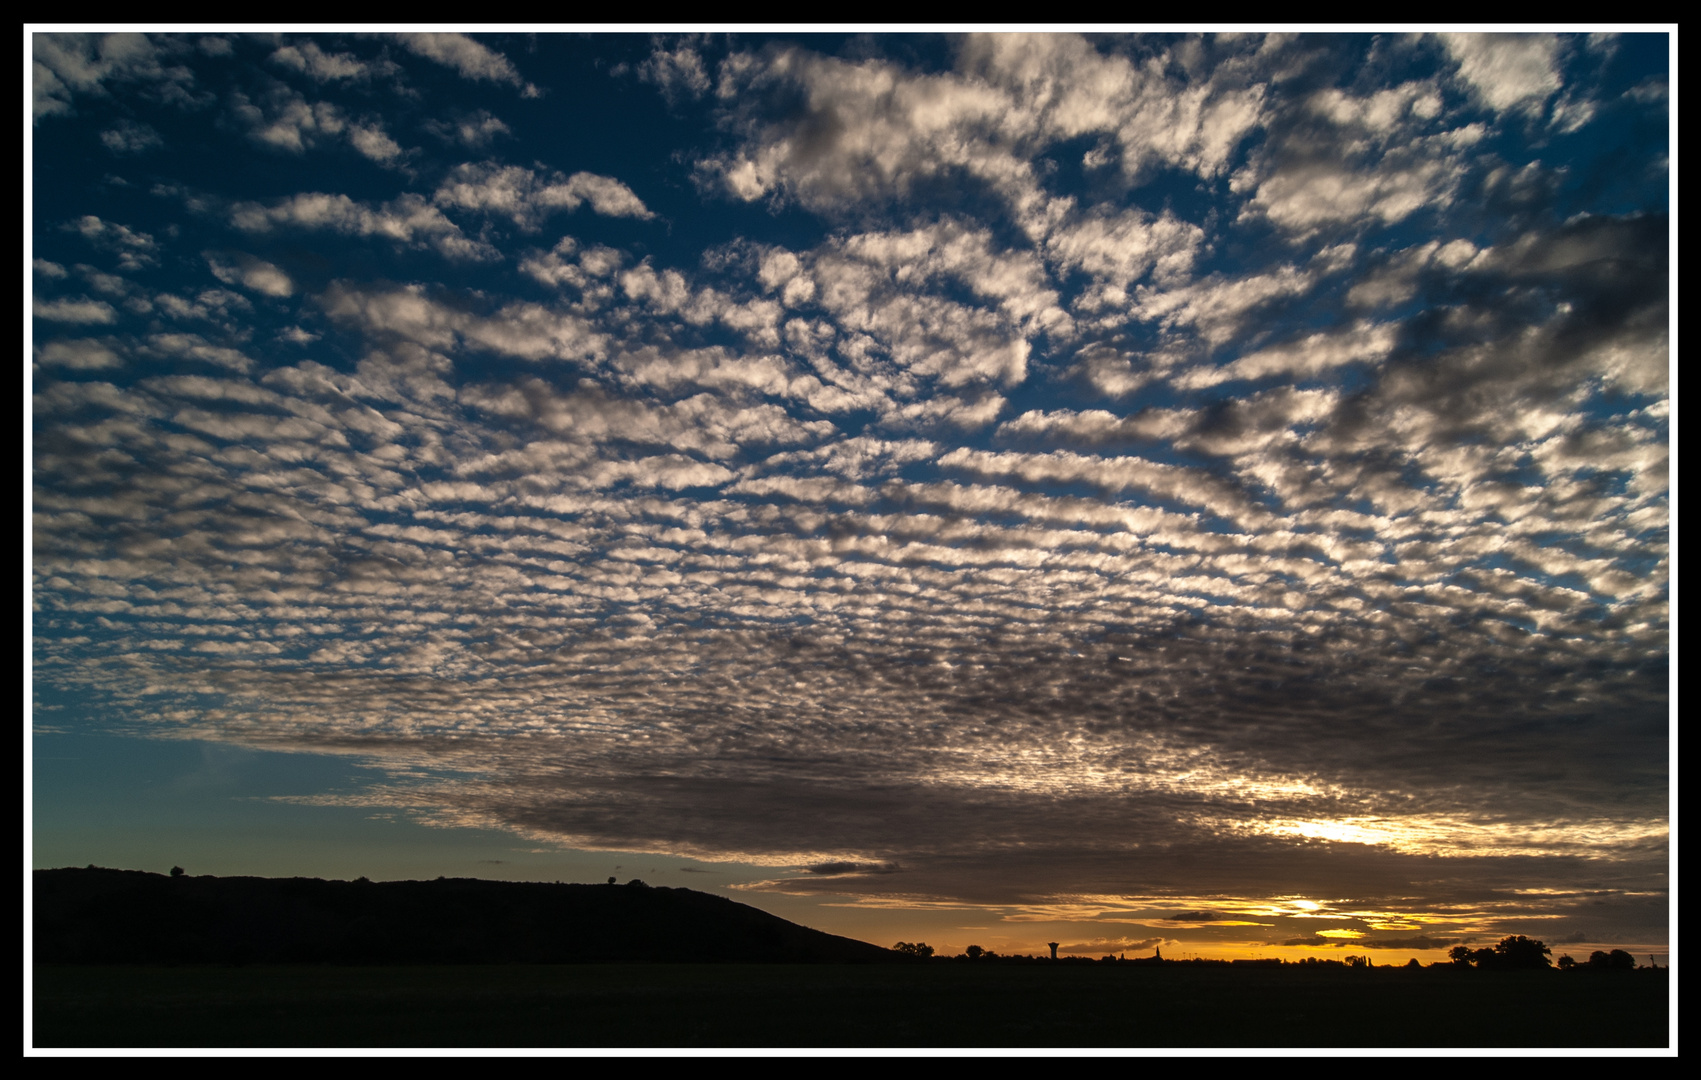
1207, 493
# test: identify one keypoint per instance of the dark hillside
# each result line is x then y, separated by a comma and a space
133, 917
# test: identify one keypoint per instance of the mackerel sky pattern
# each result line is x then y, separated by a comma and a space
999, 470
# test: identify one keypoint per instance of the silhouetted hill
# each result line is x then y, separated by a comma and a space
129, 916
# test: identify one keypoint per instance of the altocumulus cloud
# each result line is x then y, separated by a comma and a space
1134, 479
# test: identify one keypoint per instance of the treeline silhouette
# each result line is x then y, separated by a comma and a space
1517, 953
96, 915
1617, 960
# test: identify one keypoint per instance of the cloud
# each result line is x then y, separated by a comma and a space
83, 354
1508, 71
307, 58
1194, 487
129, 137
1309, 357
196, 348
250, 273
527, 198
407, 219
67, 65
855, 131
75, 311
135, 250
838, 869
678, 73
469, 58
290, 123
474, 130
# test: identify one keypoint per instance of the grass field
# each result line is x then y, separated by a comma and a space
781, 1006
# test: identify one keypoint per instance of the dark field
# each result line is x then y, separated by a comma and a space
798, 1006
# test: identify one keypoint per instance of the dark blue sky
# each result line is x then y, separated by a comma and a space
1209, 490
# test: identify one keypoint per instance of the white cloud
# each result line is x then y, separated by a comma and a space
65, 65
374, 143
408, 219
1217, 307
678, 73
290, 123
467, 57
195, 347
1305, 358
1383, 114
1508, 71
251, 273
702, 424
309, 59
527, 198
474, 130
861, 457
1196, 487
81, 354
75, 311
1120, 249
135, 250
1300, 196
1396, 281
873, 131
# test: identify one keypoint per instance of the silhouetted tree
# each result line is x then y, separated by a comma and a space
921, 950
1617, 960
177, 871
1512, 954
1521, 953
1566, 963
973, 952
